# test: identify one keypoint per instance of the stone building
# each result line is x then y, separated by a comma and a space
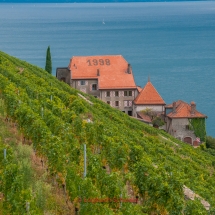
177, 116
109, 78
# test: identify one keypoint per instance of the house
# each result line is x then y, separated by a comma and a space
109, 78
179, 116
148, 99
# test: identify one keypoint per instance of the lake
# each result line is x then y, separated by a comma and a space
172, 42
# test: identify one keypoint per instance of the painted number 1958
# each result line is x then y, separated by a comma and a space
96, 62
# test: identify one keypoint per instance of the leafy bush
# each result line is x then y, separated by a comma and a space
210, 142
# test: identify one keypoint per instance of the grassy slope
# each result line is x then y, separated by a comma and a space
135, 145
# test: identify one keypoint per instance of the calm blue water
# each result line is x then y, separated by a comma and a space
173, 42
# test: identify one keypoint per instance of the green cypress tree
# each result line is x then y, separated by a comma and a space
48, 66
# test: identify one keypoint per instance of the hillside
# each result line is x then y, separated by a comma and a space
22, 171
131, 168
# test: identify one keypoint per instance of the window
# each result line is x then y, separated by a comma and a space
96, 96
108, 102
128, 93
82, 82
117, 103
127, 103
108, 94
94, 86
117, 93
188, 127
130, 112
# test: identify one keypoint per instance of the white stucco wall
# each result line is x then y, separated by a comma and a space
153, 107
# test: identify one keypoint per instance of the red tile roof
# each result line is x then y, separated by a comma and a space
184, 110
112, 71
145, 117
148, 96
139, 89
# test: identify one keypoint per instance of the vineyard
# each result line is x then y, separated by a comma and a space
131, 168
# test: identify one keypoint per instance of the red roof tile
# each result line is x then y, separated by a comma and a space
139, 89
111, 71
184, 110
148, 96
145, 117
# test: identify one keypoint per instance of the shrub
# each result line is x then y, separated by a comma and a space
210, 142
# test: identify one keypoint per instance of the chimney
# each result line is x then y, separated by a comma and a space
174, 107
129, 69
98, 72
70, 63
193, 108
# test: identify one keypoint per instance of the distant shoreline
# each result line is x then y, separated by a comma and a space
93, 1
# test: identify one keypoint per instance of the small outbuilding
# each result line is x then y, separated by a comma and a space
185, 123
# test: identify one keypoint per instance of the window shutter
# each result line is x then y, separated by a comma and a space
130, 103
79, 83
105, 94
86, 83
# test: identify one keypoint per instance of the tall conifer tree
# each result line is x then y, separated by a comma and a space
48, 66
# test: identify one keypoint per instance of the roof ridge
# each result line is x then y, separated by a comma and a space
183, 110
180, 108
112, 69
152, 96
155, 88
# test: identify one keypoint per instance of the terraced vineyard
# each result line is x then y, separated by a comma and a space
131, 168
